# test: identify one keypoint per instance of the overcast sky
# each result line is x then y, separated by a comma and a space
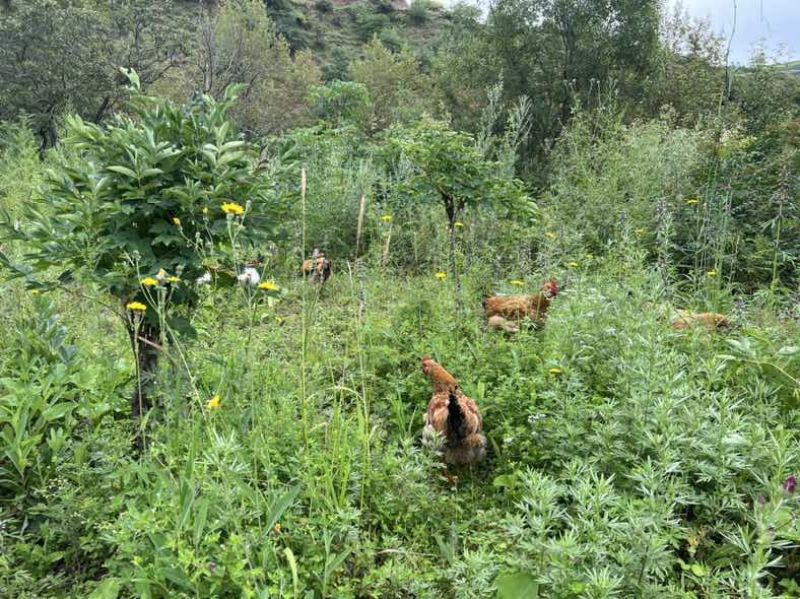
776, 22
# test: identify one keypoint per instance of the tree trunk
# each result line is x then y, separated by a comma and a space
453, 209
144, 342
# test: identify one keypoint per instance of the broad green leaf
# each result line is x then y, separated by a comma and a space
122, 170
516, 585
108, 589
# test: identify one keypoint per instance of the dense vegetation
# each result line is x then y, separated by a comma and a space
174, 424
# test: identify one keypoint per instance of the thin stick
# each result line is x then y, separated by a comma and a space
360, 229
304, 325
385, 255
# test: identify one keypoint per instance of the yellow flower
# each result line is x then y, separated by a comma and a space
232, 208
173, 280
278, 528
712, 272
279, 319
34, 292
692, 202
387, 218
176, 221
573, 265
441, 276
269, 286
205, 211
555, 371
550, 235
458, 224
214, 403
150, 282
518, 283
136, 307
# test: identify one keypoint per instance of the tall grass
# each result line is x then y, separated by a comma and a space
626, 459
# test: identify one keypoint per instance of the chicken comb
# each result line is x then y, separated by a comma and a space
552, 286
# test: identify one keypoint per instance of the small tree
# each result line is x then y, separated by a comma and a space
239, 44
450, 164
143, 208
398, 91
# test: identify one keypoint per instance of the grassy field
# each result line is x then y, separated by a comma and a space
625, 459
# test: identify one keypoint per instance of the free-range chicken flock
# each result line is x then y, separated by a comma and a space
452, 423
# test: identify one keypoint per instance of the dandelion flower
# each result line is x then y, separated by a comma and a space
573, 265
173, 280
555, 371
458, 224
692, 202
35, 292
176, 221
518, 283
136, 307
269, 286
387, 218
214, 403
149, 282
203, 279
550, 235
278, 528
712, 273
233, 208
249, 277
441, 276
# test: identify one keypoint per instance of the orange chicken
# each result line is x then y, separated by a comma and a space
317, 268
517, 307
711, 321
454, 416
498, 323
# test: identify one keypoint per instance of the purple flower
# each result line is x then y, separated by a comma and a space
790, 485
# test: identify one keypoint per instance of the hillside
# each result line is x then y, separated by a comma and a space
792, 67
335, 30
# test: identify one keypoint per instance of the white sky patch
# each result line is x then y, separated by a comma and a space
773, 24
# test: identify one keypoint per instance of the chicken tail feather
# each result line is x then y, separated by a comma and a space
456, 422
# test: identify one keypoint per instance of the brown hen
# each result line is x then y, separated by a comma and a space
454, 416
518, 307
711, 321
317, 268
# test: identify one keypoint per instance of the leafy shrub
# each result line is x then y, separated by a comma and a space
38, 399
341, 103
20, 170
419, 11
339, 170
146, 194
594, 184
143, 208
369, 23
